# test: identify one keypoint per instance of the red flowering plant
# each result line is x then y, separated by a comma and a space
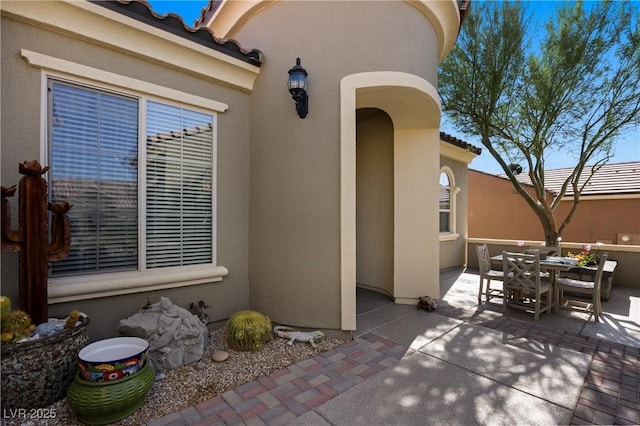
585, 257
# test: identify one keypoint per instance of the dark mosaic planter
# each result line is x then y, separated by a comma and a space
36, 374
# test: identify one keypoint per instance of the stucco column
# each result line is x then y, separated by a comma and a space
416, 246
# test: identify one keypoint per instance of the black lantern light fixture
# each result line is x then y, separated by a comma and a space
297, 85
515, 168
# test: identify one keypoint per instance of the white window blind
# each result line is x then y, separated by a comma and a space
94, 155
179, 173
94, 138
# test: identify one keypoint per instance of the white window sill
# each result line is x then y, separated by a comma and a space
102, 285
449, 237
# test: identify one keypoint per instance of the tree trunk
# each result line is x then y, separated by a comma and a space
551, 237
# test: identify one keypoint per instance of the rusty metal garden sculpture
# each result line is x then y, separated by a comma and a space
31, 239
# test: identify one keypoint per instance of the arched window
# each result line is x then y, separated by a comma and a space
447, 201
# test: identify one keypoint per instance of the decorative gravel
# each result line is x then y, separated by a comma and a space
188, 385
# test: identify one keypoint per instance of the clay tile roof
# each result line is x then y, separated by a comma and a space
459, 143
141, 11
610, 179
207, 13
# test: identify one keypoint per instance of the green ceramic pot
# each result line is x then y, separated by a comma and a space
98, 403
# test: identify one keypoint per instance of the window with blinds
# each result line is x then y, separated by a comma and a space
97, 164
179, 174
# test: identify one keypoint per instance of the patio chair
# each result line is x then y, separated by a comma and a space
591, 288
486, 273
524, 286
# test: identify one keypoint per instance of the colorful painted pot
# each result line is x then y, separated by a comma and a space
112, 359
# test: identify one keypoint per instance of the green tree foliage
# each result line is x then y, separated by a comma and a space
571, 93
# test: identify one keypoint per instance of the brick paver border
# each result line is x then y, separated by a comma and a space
609, 395
611, 392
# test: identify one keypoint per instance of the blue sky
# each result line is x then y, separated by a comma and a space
189, 10
627, 147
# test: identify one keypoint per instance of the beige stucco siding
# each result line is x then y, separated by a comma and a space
295, 164
340, 38
21, 140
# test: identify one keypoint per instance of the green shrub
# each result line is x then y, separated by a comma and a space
248, 331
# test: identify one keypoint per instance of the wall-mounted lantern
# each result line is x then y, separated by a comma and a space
515, 168
297, 85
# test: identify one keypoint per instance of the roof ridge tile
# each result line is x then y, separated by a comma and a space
173, 23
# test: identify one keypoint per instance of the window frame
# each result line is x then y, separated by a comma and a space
451, 234
65, 289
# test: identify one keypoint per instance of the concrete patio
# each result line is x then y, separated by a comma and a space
468, 364
620, 321
462, 364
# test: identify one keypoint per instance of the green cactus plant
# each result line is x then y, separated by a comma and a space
16, 321
16, 325
248, 331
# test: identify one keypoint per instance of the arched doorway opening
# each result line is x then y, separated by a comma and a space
413, 108
374, 200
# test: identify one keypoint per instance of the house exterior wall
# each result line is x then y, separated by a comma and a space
280, 211
295, 164
22, 103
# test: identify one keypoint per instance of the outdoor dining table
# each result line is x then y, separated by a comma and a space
553, 264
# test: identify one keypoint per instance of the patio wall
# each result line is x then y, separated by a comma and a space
497, 211
627, 272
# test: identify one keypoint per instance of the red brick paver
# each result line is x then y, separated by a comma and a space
610, 393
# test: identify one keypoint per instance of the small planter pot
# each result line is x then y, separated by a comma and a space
37, 373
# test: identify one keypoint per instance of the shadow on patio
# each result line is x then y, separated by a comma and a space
470, 364
620, 320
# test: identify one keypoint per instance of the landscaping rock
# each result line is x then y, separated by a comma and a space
176, 337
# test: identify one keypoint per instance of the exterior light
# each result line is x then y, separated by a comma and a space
297, 85
516, 169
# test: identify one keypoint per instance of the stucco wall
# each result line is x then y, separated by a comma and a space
496, 211
295, 164
601, 219
21, 129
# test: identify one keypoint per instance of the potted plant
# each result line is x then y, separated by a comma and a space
585, 258
37, 372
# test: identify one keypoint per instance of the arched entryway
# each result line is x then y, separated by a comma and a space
374, 200
413, 107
